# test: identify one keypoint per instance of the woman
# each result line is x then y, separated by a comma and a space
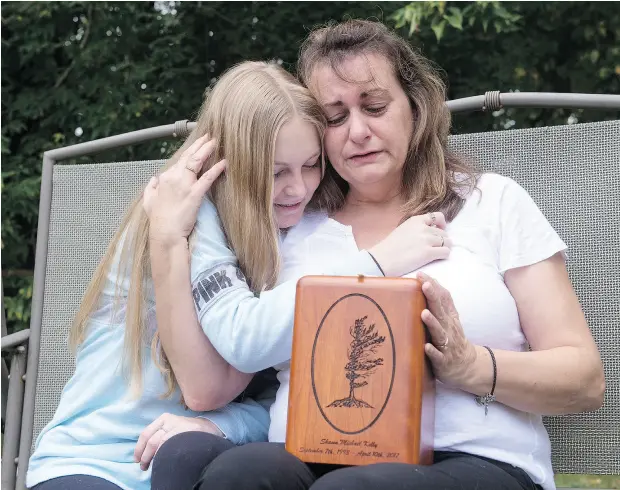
123, 379
509, 341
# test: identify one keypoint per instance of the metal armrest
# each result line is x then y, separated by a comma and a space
15, 339
17, 342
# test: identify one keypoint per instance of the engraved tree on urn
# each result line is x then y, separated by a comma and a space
361, 365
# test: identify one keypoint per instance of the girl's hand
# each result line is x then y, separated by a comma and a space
172, 200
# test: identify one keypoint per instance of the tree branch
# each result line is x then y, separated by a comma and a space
17, 273
65, 74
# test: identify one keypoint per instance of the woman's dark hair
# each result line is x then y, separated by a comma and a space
434, 179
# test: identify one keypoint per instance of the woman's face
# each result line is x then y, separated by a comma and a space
297, 170
370, 121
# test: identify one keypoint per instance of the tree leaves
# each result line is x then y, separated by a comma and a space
78, 71
75, 71
420, 14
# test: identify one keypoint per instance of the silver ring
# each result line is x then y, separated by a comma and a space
444, 345
433, 218
195, 172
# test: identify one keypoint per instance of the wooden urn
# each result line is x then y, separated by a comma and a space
361, 386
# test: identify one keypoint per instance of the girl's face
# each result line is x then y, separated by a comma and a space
297, 170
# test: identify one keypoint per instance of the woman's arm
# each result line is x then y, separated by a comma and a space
563, 373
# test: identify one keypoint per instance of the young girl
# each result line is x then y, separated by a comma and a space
126, 331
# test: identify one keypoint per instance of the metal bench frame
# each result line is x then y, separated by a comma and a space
23, 346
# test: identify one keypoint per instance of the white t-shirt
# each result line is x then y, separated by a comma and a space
499, 228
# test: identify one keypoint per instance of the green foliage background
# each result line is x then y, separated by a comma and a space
77, 71
107, 68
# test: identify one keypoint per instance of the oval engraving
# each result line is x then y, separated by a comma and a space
353, 364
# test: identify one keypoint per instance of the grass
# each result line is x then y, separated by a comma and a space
588, 481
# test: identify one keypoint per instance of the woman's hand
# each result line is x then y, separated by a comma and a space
163, 428
451, 354
415, 243
172, 200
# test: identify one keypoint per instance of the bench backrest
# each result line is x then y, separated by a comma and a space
573, 174
88, 204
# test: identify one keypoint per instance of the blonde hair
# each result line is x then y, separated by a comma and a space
243, 112
434, 178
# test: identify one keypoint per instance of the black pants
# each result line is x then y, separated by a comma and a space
267, 466
180, 461
76, 482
